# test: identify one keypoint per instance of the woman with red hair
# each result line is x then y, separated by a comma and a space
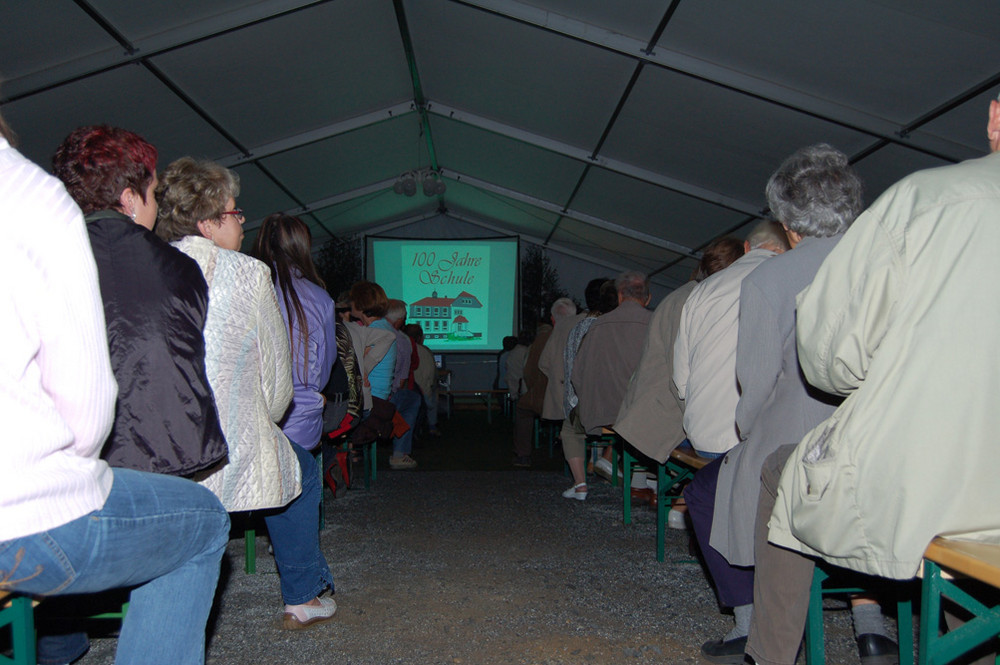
155, 305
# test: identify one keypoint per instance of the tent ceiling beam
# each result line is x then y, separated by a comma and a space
622, 99
747, 84
585, 156
308, 208
163, 42
572, 214
316, 135
405, 221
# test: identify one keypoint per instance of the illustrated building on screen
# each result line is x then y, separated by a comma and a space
461, 318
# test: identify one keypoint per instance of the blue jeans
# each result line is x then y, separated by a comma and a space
408, 404
162, 534
431, 403
686, 445
294, 532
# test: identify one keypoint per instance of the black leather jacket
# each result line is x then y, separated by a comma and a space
155, 302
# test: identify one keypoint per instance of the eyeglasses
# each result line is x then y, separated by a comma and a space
237, 214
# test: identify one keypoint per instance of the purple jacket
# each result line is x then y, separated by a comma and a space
303, 423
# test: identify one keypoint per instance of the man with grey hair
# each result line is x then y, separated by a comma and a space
610, 352
816, 195
705, 349
900, 320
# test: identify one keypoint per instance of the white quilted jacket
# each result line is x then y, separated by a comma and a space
248, 365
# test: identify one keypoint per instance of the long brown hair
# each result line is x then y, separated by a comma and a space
284, 244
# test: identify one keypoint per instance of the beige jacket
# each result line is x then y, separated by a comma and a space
903, 318
553, 366
652, 415
370, 346
608, 355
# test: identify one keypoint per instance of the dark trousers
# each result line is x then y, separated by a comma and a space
784, 577
733, 584
524, 428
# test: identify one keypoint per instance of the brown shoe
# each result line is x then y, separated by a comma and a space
644, 494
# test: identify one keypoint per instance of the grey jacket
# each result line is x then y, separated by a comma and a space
776, 404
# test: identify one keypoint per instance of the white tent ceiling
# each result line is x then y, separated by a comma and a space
630, 132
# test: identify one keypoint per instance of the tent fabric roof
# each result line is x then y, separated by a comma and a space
632, 133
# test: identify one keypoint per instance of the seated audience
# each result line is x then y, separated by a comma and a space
425, 376
529, 406
72, 524
284, 244
155, 302
815, 195
607, 356
649, 420
601, 298
705, 350
500, 382
898, 321
249, 368
551, 362
368, 307
610, 352
515, 365
405, 397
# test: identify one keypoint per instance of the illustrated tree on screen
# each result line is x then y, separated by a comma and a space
539, 286
339, 263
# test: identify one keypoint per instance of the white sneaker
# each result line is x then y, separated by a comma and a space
576, 493
602, 467
402, 462
298, 617
675, 520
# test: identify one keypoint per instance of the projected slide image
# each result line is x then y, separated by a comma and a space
461, 292
443, 289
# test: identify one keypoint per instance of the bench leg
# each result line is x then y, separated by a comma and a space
814, 638
661, 511
940, 649
627, 461
250, 545
20, 616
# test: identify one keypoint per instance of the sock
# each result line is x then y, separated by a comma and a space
868, 619
742, 614
639, 480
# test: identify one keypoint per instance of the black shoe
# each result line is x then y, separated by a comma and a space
729, 652
877, 649
522, 462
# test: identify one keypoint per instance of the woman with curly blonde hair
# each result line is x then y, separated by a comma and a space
249, 368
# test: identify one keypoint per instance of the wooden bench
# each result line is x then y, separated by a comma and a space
671, 477
474, 399
943, 559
